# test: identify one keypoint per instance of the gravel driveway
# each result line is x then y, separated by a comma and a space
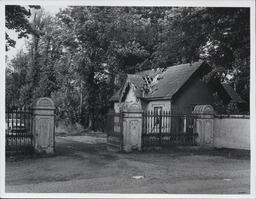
83, 165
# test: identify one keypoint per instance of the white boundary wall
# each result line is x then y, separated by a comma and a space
232, 131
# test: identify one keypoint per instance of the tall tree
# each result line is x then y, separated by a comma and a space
77, 56
221, 36
16, 18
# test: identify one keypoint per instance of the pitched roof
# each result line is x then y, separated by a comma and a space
136, 80
169, 80
150, 72
173, 78
232, 93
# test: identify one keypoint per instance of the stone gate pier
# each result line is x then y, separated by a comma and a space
132, 127
43, 124
204, 125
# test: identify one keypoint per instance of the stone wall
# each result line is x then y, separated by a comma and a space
232, 132
221, 131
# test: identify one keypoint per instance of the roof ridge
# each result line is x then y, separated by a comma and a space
177, 65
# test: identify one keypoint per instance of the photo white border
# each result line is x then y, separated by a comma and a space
2, 99
188, 3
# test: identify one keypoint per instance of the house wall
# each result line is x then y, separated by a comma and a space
130, 98
152, 125
232, 132
196, 93
165, 104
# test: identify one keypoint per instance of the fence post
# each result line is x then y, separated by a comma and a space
43, 125
204, 125
160, 128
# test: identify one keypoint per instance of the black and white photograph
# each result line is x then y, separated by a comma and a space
129, 99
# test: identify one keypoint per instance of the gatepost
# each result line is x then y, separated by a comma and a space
204, 125
132, 127
43, 124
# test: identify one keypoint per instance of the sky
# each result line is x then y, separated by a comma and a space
21, 43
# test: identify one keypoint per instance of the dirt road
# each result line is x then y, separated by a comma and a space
83, 165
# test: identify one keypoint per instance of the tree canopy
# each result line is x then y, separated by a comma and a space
17, 18
80, 56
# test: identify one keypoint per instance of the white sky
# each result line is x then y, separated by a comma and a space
21, 43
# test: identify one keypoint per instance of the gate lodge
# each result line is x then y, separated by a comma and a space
165, 99
176, 89
132, 128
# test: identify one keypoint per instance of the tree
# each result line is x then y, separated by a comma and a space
104, 48
16, 78
76, 56
16, 18
221, 36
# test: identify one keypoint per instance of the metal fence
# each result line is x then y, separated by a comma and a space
114, 129
18, 130
168, 129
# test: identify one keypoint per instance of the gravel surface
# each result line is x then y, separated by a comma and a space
83, 165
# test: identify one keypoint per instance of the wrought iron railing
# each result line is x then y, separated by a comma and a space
19, 130
168, 129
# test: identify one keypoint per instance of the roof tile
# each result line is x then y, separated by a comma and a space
170, 81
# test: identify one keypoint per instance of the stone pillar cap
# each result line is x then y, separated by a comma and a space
203, 109
131, 107
44, 103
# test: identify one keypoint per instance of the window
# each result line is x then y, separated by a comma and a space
157, 111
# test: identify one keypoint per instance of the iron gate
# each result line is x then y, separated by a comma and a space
18, 130
168, 129
114, 129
